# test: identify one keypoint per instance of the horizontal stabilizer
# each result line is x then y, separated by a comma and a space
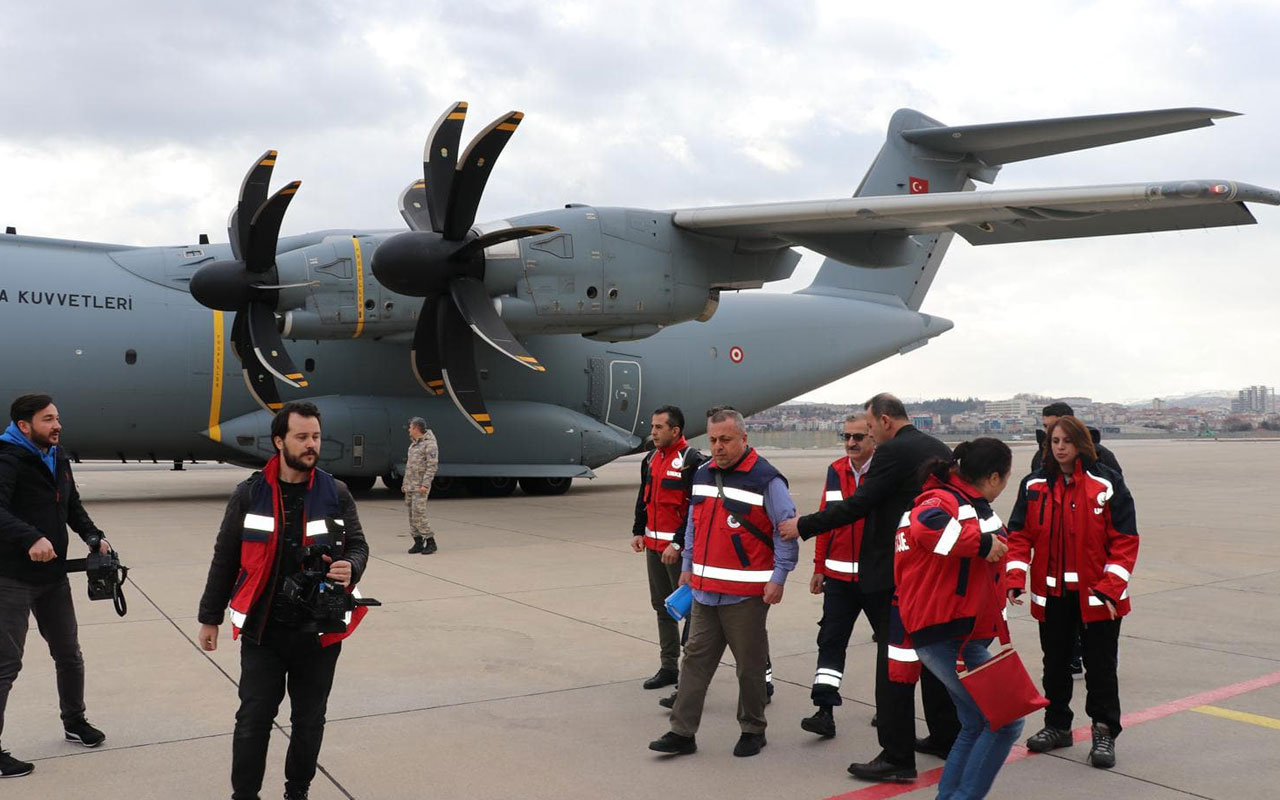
1007, 142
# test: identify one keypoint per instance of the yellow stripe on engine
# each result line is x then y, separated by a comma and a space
215, 396
355, 244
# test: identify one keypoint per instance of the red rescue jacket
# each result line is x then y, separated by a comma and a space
727, 557
835, 554
1079, 537
666, 501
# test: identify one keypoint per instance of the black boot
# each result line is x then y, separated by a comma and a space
429, 546
669, 701
1103, 753
822, 723
417, 544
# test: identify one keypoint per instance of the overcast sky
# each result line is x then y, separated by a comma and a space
134, 122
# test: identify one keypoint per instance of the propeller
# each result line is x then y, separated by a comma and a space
249, 285
442, 261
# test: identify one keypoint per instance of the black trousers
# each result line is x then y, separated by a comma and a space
289, 660
55, 615
841, 604
1100, 643
896, 702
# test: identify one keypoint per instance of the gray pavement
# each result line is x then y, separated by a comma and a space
509, 664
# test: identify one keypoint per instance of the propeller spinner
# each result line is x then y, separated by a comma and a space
249, 285
442, 261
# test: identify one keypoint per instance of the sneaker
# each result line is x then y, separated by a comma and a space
749, 744
823, 723
1103, 753
674, 744
84, 733
1049, 738
670, 701
11, 767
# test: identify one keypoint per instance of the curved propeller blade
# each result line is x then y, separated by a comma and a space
477, 311
472, 174
413, 206
498, 237
253, 193
262, 387
269, 348
425, 356
457, 351
264, 230
439, 161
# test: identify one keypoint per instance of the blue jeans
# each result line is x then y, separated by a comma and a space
978, 752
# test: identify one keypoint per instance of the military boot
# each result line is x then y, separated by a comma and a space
417, 544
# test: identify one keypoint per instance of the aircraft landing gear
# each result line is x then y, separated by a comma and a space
491, 486
393, 482
357, 483
545, 486
444, 487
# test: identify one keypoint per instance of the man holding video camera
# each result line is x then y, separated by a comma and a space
38, 501
289, 551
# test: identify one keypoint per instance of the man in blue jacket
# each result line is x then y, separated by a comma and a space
38, 502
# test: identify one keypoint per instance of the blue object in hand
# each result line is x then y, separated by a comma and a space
680, 602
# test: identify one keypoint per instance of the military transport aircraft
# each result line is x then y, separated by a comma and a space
535, 346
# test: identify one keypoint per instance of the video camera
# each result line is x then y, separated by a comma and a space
325, 605
105, 573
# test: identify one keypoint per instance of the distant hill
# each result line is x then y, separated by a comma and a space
1206, 400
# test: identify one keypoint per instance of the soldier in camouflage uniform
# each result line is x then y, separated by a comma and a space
419, 470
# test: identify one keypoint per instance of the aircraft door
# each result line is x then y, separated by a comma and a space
370, 440
624, 392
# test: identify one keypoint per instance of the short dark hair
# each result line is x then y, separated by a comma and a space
886, 405
711, 412
973, 460
1058, 409
675, 417
25, 407
280, 422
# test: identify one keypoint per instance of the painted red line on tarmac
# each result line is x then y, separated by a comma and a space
882, 791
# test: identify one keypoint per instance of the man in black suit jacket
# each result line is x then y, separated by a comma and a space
884, 495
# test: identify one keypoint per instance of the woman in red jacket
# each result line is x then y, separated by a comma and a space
1073, 530
947, 571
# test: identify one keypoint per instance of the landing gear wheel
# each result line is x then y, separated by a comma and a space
358, 483
444, 487
545, 486
491, 486
393, 482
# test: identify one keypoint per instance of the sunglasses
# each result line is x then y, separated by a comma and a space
857, 437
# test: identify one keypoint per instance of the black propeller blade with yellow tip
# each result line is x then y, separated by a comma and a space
249, 285
442, 260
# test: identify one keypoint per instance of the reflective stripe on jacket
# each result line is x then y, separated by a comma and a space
835, 552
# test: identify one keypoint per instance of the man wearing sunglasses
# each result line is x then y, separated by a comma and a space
835, 575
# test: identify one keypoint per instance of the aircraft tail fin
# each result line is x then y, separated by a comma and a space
921, 155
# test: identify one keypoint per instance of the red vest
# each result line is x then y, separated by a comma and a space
667, 500
835, 553
727, 557
258, 541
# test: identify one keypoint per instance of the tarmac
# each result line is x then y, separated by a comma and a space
509, 664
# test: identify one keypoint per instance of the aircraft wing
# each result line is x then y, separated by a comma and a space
842, 228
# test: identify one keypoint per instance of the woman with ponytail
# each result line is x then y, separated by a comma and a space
948, 571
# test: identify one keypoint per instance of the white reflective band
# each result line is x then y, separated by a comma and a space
1037, 599
237, 618
990, 525
902, 654
741, 575
834, 673
1071, 577
1034, 481
1012, 565
834, 496
1116, 569
661, 536
1051, 581
258, 522
950, 535
1094, 600
741, 495
826, 680
967, 512
1004, 613
905, 522
768, 673
1124, 595
847, 567
317, 527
